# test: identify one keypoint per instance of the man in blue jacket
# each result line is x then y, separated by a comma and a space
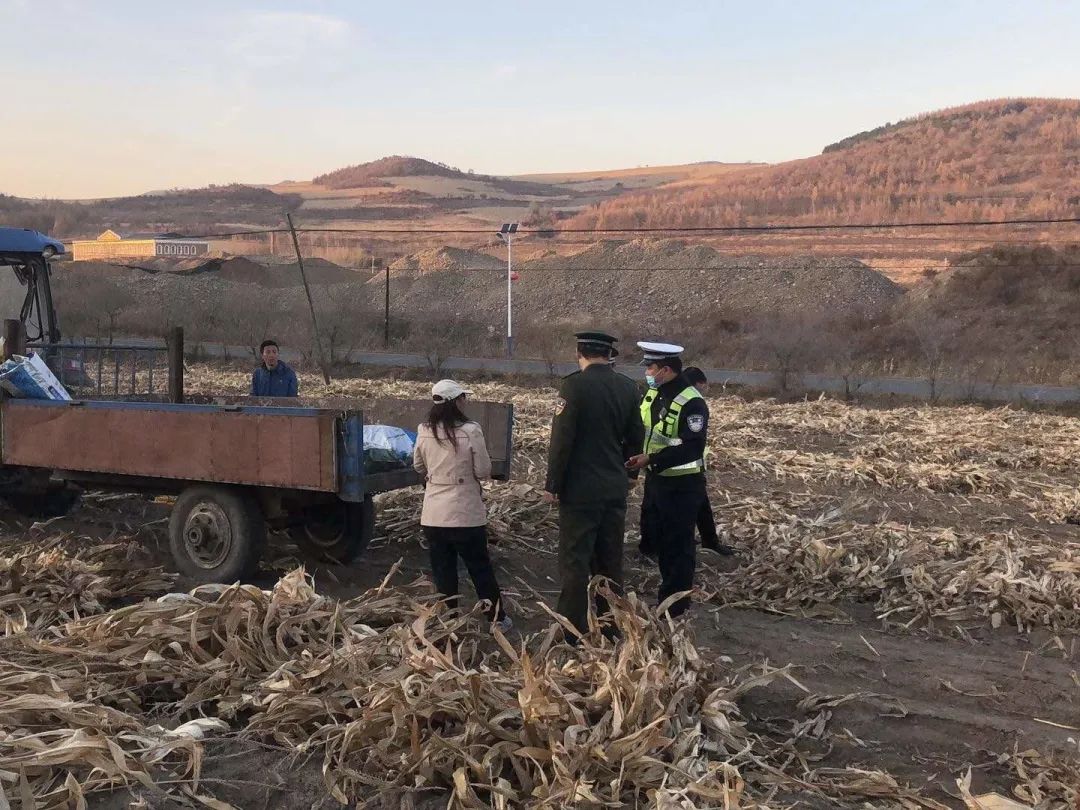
273, 378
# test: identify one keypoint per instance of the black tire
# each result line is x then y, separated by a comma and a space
338, 533
216, 534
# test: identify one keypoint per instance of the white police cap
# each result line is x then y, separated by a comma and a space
658, 351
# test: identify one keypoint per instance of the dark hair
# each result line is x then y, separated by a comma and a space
448, 417
593, 352
694, 375
265, 343
674, 363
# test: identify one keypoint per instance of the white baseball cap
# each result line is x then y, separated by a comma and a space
447, 391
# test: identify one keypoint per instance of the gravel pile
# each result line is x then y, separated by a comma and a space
645, 280
447, 258
238, 269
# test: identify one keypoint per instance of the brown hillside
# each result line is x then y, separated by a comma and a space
370, 174
1014, 302
192, 211
995, 159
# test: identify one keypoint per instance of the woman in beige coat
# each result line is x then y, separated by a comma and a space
452, 456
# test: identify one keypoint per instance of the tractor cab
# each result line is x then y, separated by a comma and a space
28, 254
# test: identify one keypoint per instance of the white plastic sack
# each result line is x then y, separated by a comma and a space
398, 441
30, 378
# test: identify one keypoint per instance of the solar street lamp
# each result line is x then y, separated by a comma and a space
506, 233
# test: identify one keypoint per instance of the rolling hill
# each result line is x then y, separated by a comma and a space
994, 159
405, 191
372, 173
396, 190
193, 211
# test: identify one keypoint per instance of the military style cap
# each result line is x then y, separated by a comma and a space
653, 352
598, 340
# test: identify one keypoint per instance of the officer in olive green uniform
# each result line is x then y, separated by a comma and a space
597, 427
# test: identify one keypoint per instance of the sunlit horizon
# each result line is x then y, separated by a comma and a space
128, 99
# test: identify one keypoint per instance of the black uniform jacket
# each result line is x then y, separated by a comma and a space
693, 428
596, 428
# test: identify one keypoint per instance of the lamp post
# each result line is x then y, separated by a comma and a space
506, 233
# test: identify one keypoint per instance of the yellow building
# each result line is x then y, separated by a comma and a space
111, 245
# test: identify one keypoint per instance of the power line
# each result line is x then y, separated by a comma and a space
884, 270
767, 228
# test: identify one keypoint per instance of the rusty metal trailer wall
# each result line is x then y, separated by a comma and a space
293, 448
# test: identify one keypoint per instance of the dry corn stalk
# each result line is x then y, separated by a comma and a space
396, 693
393, 692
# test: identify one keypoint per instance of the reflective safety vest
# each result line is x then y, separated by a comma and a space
665, 433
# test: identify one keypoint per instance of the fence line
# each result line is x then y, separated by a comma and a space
913, 388
904, 387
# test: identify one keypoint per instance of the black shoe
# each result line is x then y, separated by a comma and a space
720, 548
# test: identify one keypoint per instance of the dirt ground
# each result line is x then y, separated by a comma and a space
933, 705
926, 703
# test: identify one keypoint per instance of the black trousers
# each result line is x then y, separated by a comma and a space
672, 508
706, 526
469, 543
590, 544
649, 529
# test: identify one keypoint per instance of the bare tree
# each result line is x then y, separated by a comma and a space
343, 327
200, 315
551, 343
253, 322
94, 305
843, 345
443, 334
936, 337
788, 343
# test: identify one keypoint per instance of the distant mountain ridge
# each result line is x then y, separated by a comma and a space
994, 159
1011, 158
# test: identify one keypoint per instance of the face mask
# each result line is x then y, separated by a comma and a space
650, 380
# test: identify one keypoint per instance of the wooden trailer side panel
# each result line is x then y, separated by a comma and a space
294, 450
496, 418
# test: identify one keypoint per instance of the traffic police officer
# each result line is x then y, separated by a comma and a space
596, 428
675, 418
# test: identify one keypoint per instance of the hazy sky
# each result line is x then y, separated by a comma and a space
114, 97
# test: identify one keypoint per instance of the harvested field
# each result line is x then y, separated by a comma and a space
897, 630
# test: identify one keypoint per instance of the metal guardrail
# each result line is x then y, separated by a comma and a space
99, 370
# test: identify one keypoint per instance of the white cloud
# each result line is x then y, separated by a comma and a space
267, 39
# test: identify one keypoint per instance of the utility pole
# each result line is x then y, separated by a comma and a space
386, 301
311, 304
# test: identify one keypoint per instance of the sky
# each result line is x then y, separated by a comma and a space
113, 97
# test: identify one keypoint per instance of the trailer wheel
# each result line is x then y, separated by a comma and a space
339, 533
216, 534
